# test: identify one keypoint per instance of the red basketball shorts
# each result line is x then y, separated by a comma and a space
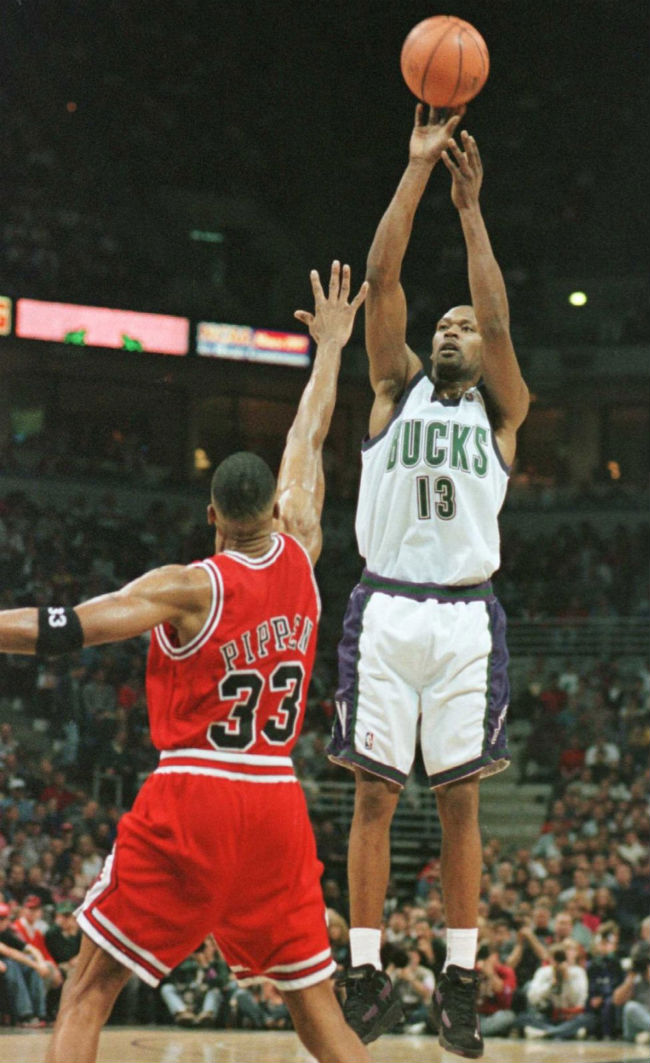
199, 855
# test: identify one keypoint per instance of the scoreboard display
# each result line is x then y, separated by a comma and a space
245, 344
98, 326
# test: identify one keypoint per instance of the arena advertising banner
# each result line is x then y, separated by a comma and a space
5, 315
96, 326
246, 344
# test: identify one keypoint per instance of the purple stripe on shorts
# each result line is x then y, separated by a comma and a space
346, 696
495, 744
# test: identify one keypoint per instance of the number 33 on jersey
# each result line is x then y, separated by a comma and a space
240, 686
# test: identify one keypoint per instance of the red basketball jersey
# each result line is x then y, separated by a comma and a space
239, 688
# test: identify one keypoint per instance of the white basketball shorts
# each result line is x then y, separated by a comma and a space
420, 653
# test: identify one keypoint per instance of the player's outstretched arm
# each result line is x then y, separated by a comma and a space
392, 362
501, 372
301, 481
174, 593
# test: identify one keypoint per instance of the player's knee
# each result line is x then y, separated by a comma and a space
458, 801
376, 799
95, 986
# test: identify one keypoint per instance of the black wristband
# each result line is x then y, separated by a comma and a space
59, 631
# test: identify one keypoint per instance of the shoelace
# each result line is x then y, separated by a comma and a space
351, 984
462, 1002
351, 981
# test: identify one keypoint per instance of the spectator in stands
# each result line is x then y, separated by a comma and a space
502, 936
58, 791
604, 905
631, 906
8, 743
579, 883
275, 1012
189, 997
396, 932
63, 846
604, 974
430, 946
24, 974
63, 939
30, 926
428, 878
36, 885
556, 995
633, 995
631, 850
530, 949
16, 885
46, 864
496, 988
114, 759
36, 841
601, 756
21, 798
144, 757
99, 702
413, 983
67, 890
91, 860
601, 877
567, 924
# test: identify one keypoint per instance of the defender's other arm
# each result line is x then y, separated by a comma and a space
174, 593
301, 481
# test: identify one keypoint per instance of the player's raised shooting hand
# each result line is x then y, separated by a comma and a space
334, 315
432, 132
466, 169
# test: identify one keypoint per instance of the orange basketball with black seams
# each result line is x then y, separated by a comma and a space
445, 61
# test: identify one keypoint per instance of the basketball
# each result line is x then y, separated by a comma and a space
445, 61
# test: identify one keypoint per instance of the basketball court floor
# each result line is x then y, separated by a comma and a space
149, 1044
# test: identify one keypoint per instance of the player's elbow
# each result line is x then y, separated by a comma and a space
522, 403
380, 274
387, 389
309, 534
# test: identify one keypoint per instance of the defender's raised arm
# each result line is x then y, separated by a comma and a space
301, 482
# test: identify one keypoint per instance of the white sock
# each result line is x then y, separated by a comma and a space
461, 948
365, 942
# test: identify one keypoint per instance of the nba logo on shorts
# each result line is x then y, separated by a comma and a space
369, 739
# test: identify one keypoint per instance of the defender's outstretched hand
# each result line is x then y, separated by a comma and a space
466, 170
334, 315
431, 134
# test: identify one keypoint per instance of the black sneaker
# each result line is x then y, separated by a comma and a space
454, 1012
371, 1006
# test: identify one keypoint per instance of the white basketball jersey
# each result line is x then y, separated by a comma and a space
432, 485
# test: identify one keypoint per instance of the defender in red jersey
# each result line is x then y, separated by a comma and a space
218, 840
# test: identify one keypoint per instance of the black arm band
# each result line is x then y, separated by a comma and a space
59, 631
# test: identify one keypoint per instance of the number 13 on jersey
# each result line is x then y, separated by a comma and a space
435, 496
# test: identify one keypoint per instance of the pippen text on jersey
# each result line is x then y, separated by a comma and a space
275, 634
